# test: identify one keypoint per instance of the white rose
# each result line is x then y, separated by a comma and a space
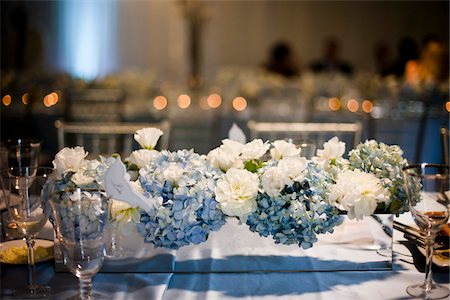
142, 157
358, 193
173, 172
283, 149
69, 160
236, 193
232, 147
254, 150
333, 149
224, 160
148, 137
273, 182
292, 167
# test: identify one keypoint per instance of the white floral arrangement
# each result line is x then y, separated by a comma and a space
269, 187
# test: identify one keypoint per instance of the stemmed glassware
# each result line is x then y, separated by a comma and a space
428, 191
81, 216
26, 195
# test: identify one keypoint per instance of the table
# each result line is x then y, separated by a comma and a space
379, 284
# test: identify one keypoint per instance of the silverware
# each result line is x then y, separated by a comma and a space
414, 234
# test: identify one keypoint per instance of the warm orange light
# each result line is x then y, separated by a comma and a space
367, 106
214, 100
352, 105
239, 103
447, 106
184, 101
54, 98
48, 100
334, 104
160, 102
6, 100
25, 99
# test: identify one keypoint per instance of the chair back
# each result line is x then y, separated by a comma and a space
318, 133
106, 138
445, 142
95, 105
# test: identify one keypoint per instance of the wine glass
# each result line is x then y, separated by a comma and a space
428, 191
81, 216
26, 196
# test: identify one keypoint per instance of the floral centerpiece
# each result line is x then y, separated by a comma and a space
269, 187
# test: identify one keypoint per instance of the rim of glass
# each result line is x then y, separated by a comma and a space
46, 171
14, 142
417, 170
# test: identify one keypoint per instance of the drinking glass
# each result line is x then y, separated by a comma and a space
428, 191
20, 153
26, 196
81, 216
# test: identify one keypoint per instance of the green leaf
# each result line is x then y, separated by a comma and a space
253, 165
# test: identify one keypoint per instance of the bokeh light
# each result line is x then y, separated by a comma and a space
160, 102
184, 101
6, 100
334, 104
203, 103
25, 99
352, 105
367, 106
214, 100
239, 103
447, 106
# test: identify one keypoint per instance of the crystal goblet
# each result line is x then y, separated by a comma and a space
26, 196
81, 216
428, 191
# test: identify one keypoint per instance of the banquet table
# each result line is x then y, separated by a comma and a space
191, 283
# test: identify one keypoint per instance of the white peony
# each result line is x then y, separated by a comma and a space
333, 149
224, 160
81, 178
292, 167
282, 149
254, 150
236, 193
148, 137
173, 172
232, 147
69, 160
358, 193
142, 157
273, 182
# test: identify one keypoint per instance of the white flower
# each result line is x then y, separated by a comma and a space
173, 172
358, 193
283, 149
236, 193
273, 182
224, 160
142, 157
148, 137
232, 147
69, 160
292, 167
254, 150
333, 149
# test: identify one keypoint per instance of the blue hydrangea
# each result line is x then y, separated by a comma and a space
386, 163
299, 213
188, 210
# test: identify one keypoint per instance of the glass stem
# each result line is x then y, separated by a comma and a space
85, 285
31, 261
429, 250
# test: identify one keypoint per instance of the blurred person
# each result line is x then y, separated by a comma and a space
407, 50
331, 62
281, 61
431, 67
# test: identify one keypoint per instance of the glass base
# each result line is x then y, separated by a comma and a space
385, 251
436, 292
32, 292
93, 296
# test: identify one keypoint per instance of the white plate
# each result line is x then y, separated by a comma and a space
19, 243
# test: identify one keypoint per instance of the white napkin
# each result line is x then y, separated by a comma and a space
236, 134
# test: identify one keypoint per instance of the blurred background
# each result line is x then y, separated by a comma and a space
204, 65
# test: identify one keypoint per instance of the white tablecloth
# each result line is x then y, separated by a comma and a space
356, 284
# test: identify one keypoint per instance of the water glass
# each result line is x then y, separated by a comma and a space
81, 216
